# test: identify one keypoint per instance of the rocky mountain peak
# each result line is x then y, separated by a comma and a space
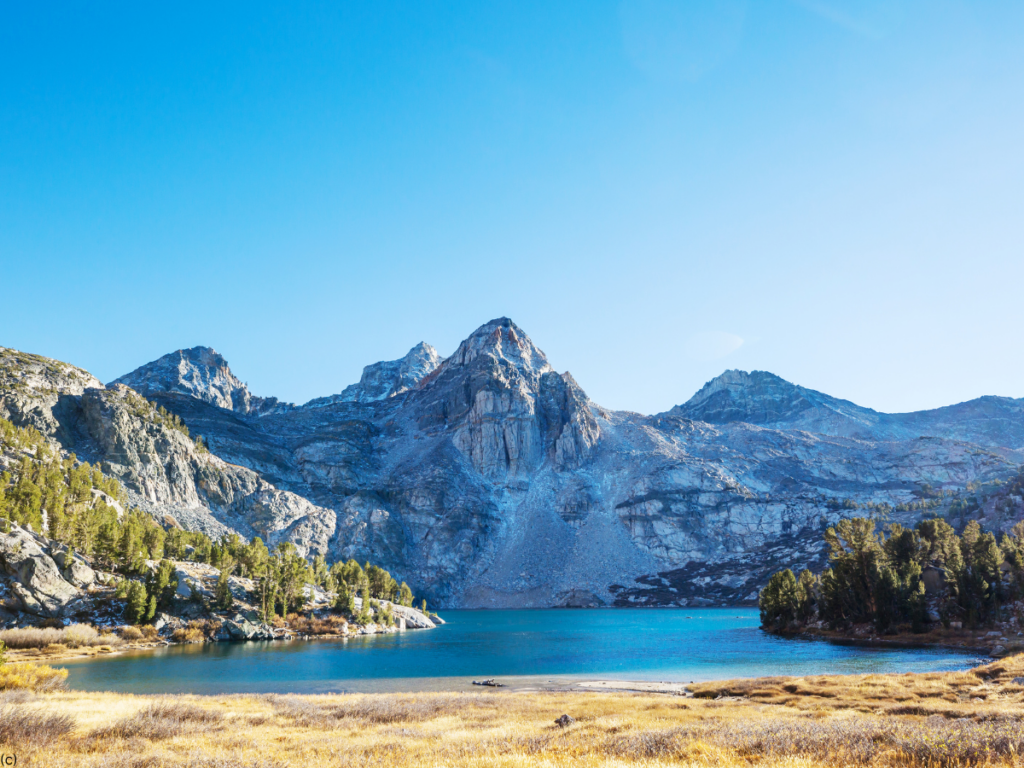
199, 372
387, 378
504, 342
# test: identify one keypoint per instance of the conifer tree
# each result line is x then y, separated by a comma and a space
135, 611
405, 595
223, 599
344, 600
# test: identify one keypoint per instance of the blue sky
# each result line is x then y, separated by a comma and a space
655, 191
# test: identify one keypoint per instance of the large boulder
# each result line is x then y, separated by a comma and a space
73, 567
36, 580
240, 628
414, 619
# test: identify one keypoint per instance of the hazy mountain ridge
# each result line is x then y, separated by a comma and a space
767, 400
489, 479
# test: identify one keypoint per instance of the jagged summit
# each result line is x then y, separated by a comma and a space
199, 372
504, 343
387, 378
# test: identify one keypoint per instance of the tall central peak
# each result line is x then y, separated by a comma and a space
504, 341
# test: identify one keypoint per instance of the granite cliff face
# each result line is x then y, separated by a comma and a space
488, 479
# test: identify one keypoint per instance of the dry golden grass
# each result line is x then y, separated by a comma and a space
75, 636
983, 692
877, 720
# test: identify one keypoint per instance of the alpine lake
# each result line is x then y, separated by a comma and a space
520, 648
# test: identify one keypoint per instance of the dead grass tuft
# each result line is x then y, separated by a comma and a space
19, 727
162, 720
310, 713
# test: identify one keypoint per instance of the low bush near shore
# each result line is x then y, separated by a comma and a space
75, 636
185, 635
130, 634
304, 625
31, 677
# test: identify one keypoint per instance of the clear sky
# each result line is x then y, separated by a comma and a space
654, 190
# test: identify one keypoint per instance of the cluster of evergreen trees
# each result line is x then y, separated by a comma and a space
877, 578
73, 503
58, 497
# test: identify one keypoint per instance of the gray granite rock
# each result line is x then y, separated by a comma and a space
34, 577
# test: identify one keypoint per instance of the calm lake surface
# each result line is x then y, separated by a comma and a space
519, 647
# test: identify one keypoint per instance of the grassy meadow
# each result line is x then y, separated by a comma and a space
941, 719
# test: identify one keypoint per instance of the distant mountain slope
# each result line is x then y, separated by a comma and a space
488, 479
767, 400
202, 373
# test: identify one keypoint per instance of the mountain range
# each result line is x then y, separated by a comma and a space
488, 479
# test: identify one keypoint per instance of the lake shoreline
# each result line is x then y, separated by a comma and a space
45, 656
965, 641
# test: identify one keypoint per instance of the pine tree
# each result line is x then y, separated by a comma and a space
163, 583
405, 595
224, 600
365, 616
135, 611
778, 600
344, 600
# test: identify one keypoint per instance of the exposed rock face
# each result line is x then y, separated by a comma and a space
34, 577
765, 399
488, 479
39, 392
202, 373
505, 406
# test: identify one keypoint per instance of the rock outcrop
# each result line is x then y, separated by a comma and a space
488, 479
34, 577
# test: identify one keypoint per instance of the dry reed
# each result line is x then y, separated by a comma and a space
74, 636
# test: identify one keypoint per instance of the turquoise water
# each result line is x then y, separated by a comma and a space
521, 647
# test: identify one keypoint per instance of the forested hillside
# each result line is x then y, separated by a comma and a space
73, 504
